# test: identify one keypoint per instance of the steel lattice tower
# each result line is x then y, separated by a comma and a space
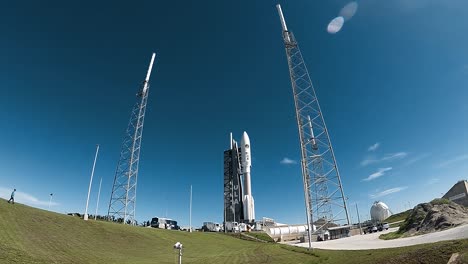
324, 197
233, 193
123, 198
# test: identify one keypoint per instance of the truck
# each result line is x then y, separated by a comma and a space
243, 227
237, 227
211, 227
232, 227
165, 223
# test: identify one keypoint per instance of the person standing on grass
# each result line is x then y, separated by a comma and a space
12, 198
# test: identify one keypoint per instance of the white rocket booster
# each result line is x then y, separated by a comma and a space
247, 200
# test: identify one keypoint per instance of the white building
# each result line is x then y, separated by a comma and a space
379, 211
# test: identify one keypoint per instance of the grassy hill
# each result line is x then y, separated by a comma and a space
398, 217
29, 235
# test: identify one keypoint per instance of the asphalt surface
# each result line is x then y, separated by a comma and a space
372, 241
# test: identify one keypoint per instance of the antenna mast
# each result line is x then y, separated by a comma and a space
325, 201
123, 198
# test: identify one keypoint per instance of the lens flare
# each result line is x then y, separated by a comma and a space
335, 25
349, 10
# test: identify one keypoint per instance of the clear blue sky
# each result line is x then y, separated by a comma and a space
396, 74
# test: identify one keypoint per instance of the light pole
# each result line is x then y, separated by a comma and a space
99, 194
50, 200
190, 229
359, 220
90, 183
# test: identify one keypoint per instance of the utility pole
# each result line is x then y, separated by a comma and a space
90, 183
359, 220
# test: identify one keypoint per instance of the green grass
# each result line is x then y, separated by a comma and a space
398, 217
464, 257
396, 224
391, 235
433, 253
261, 236
258, 236
29, 235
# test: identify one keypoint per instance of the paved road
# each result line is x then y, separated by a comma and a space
372, 241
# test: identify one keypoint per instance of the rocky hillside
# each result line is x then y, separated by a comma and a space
437, 215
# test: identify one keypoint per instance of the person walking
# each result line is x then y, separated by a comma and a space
12, 198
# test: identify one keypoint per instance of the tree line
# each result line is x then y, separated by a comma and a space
119, 220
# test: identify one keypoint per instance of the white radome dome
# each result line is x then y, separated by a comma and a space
379, 211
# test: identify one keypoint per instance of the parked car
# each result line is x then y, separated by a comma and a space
379, 227
385, 226
370, 229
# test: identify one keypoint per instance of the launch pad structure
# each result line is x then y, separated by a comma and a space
239, 205
122, 204
233, 209
325, 201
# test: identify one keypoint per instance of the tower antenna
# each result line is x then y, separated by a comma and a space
123, 198
325, 201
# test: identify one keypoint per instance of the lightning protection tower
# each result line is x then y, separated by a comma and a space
324, 197
123, 198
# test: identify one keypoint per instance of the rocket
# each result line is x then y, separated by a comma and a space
247, 200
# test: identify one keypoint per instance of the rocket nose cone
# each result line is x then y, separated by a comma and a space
245, 139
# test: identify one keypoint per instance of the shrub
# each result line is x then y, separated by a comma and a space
439, 201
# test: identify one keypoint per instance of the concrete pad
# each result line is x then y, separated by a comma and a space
372, 241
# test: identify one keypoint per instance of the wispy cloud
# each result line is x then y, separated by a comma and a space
374, 147
379, 173
432, 181
387, 192
286, 160
417, 158
389, 157
368, 161
452, 161
394, 156
24, 198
